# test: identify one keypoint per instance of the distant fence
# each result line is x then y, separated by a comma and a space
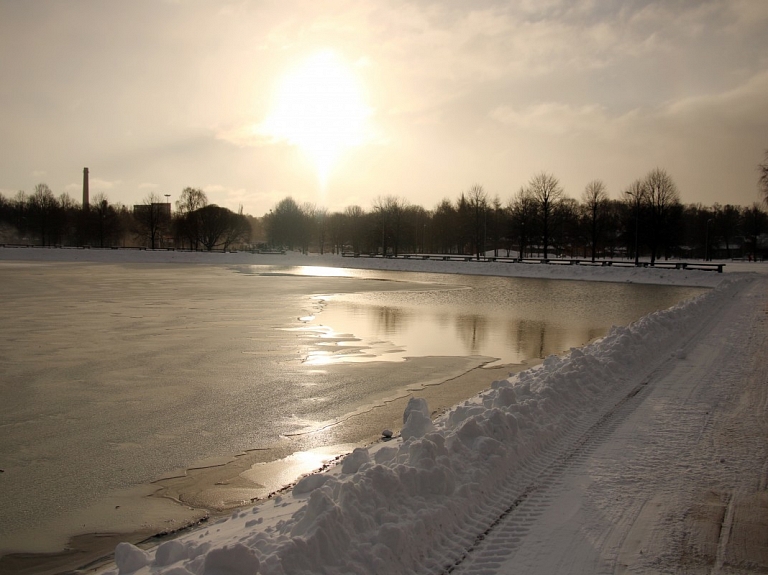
706, 266
687, 265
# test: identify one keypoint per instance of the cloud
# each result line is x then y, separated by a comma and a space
557, 118
233, 198
246, 135
95, 185
744, 104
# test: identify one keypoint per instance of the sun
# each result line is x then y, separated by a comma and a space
319, 108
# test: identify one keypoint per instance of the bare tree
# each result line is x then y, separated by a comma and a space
523, 210
545, 189
478, 202
763, 181
661, 196
566, 227
191, 199
187, 221
238, 231
496, 223
635, 197
321, 227
444, 227
152, 218
104, 221
284, 224
389, 216
354, 217
595, 200
42, 208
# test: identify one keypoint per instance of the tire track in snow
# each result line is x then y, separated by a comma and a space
520, 508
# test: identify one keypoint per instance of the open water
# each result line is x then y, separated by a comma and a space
115, 375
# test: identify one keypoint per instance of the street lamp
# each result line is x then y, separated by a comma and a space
706, 241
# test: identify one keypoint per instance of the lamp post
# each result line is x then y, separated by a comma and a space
167, 238
706, 241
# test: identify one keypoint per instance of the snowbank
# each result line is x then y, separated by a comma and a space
417, 504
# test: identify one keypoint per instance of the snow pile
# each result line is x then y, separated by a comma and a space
402, 507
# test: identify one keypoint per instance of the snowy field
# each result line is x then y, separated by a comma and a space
644, 452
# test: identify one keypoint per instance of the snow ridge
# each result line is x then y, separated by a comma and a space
419, 504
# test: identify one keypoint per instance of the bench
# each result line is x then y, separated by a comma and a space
704, 267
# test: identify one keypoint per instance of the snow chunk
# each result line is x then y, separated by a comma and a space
416, 418
235, 560
170, 552
310, 483
385, 454
130, 558
355, 460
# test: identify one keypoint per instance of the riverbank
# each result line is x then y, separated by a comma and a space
588, 273
645, 452
676, 277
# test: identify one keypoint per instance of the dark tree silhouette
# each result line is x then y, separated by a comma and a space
478, 204
763, 180
187, 220
221, 227
662, 197
389, 219
444, 225
103, 221
636, 198
545, 189
152, 218
523, 208
43, 214
286, 225
594, 199
354, 221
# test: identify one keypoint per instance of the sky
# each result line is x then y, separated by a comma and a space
338, 103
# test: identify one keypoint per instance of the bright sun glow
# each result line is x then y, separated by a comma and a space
320, 109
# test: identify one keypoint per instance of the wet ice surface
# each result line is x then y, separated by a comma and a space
512, 319
114, 375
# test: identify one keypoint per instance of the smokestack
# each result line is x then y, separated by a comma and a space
86, 199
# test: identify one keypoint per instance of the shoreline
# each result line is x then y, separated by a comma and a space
198, 487
86, 544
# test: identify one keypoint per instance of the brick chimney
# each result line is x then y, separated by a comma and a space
86, 199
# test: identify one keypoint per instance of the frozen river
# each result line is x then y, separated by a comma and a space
116, 375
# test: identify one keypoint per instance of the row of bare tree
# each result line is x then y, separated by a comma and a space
539, 220
44, 219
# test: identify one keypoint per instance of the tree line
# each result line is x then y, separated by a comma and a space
42, 218
539, 220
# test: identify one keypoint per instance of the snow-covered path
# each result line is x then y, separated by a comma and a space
672, 480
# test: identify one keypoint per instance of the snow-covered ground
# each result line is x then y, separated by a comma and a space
644, 452
554, 271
